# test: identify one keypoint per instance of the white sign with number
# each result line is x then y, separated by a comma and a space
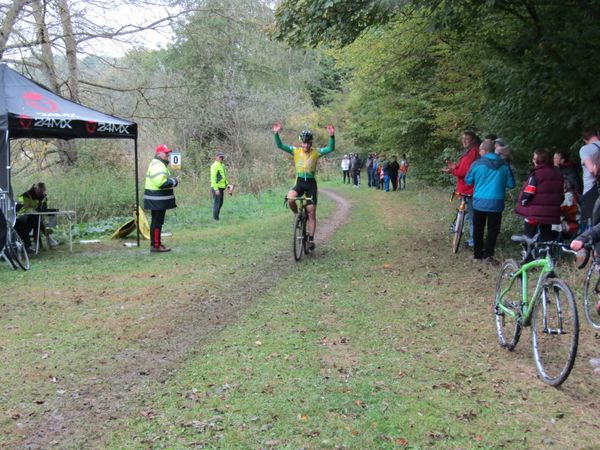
175, 160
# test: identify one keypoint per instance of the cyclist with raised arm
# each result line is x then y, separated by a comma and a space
305, 162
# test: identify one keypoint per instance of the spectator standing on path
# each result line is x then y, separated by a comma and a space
589, 194
541, 197
375, 174
393, 169
569, 213
369, 167
355, 164
460, 169
568, 170
592, 234
502, 149
402, 172
346, 169
218, 184
159, 195
491, 176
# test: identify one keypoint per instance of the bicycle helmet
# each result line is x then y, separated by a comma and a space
306, 136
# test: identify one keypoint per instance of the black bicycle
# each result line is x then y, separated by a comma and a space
300, 244
591, 287
13, 249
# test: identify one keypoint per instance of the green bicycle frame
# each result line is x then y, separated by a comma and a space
547, 266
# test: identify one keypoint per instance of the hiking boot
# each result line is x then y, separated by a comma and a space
160, 249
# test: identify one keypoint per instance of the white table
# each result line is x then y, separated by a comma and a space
71, 217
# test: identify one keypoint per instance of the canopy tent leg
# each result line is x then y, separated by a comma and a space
137, 193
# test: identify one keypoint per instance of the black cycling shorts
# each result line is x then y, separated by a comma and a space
308, 187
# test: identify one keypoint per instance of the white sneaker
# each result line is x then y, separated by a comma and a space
595, 362
51, 241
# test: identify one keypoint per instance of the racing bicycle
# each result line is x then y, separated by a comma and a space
457, 227
300, 244
551, 310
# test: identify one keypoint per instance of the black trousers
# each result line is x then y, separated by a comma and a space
485, 248
24, 225
217, 202
546, 233
346, 175
158, 219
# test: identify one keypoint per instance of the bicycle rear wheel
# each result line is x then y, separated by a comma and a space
554, 331
591, 296
16, 249
507, 305
457, 230
298, 243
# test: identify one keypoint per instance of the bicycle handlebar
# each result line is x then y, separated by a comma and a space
532, 243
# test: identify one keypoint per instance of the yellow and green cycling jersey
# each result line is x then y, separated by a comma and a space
305, 162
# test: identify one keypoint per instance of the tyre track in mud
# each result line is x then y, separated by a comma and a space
86, 416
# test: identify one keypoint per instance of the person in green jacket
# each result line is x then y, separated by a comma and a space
218, 183
306, 158
159, 195
29, 202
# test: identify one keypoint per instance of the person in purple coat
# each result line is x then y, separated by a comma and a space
541, 197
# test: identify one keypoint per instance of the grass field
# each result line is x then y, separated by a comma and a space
382, 339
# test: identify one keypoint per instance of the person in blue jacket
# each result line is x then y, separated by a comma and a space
491, 176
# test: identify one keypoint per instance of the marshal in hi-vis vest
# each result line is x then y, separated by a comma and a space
158, 189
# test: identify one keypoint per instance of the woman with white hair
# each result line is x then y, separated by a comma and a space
346, 169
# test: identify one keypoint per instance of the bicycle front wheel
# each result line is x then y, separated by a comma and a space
298, 243
305, 235
16, 249
507, 305
591, 296
457, 229
554, 331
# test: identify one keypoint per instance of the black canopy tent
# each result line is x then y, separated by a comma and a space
29, 110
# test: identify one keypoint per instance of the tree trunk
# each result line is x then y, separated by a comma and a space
8, 22
47, 57
70, 49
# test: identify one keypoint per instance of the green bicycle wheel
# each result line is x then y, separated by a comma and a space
298, 243
554, 331
507, 306
457, 230
591, 296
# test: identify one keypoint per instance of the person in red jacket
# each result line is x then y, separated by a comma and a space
460, 169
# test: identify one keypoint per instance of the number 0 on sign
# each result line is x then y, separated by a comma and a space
175, 160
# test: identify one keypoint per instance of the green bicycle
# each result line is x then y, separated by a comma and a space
551, 310
300, 244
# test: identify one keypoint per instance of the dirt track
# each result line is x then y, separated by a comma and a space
82, 419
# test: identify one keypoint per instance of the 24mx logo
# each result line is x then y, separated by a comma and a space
52, 123
113, 128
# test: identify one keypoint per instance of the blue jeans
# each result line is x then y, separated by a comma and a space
386, 183
469, 217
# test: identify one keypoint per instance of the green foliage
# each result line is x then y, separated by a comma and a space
425, 70
330, 21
